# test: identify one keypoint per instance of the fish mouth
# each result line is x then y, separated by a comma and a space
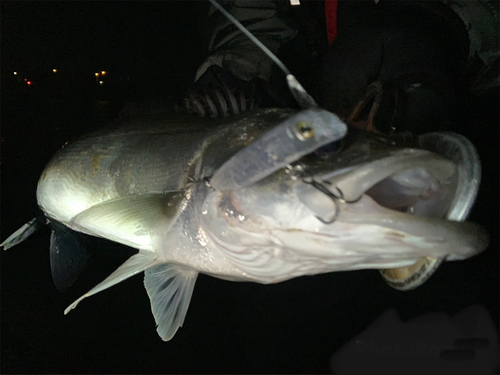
411, 181
407, 197
407, 180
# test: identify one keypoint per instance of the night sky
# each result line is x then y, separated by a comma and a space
152, 49
155, 43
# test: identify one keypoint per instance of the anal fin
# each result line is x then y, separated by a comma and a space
135, 264
169, 288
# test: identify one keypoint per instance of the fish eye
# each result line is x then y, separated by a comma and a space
304, 130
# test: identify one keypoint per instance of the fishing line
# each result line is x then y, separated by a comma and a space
244, 30
303, 99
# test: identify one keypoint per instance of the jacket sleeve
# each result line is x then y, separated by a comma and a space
231, 50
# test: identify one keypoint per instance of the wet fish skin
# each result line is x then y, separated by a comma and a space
146, 185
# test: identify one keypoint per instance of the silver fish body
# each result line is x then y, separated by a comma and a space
164, 162
371, 204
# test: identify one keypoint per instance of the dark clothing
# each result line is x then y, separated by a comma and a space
421, 48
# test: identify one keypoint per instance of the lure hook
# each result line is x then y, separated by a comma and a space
335, 198
333, 192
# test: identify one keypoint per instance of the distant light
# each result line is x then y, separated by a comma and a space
103, 72
101, 82
15, 73
54, 70
96, 74
26, 80
295, 2
29, 83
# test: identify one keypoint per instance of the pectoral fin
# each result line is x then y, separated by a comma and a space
131, 220
169, 288
135, 264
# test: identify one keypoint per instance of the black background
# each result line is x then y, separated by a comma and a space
295, 326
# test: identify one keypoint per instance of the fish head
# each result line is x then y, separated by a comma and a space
373, 203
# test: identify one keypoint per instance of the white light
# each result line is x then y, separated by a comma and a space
15, 73
101, 82
295, 2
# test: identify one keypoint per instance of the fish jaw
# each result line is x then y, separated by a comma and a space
381, 238
365, 236
406, 193
387, 213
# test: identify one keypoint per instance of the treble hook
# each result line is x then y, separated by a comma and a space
335, 198
298, 171
336, 195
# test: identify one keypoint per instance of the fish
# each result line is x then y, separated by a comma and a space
263, 197
219, 197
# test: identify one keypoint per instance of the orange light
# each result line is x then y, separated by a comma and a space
96, 74
54, 70
29, 83
103, 72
